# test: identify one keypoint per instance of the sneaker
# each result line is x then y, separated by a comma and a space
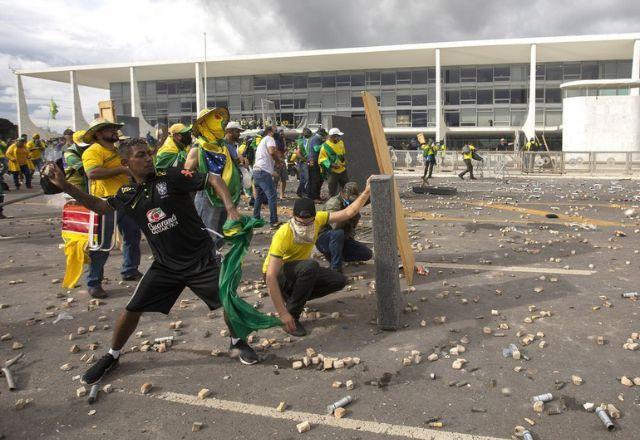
473, 178
243, 352
99, 369
275, 225
97, 292
300, 331
132, 276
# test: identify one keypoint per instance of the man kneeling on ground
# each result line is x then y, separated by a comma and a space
336, 241
292, 277
160, 203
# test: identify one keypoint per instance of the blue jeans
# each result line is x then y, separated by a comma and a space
130, 249
337, 248
27, 176
265, 193
213, 217
303, 177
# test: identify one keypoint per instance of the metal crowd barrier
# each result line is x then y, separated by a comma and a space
510, 163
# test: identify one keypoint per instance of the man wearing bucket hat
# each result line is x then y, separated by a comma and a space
333, 162
103, 167
74, 170
211, 155
232, 136
173, 152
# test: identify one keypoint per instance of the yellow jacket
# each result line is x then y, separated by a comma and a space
18, 157
469, 155
35, 149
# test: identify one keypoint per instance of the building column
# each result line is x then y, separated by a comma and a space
25, 124
529, 126
134, 89
77, 118
19, 99
199, 95
439, 119
635, 67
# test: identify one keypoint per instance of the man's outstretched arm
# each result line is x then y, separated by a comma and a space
95, 204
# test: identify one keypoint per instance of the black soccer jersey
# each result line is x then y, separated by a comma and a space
163, 209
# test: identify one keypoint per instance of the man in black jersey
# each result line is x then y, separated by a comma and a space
160, 203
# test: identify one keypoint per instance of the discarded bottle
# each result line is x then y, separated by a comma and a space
526, 435
508, 351
629, 295
604, 417
548, 397
339, 404
93, 394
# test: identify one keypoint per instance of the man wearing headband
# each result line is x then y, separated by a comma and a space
292, 277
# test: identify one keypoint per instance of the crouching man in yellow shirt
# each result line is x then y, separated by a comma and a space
292, 277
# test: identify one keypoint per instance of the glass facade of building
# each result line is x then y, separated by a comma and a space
473, 96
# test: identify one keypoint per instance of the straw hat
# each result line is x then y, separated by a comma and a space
211, 123
96, 125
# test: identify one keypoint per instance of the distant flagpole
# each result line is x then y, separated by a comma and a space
205, 71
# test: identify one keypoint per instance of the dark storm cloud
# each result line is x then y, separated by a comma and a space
343, 23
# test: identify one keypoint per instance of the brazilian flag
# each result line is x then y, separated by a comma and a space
214, 157
53, 109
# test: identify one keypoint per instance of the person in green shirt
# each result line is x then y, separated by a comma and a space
74, 171
174, 150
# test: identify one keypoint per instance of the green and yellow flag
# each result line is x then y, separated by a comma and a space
53, 109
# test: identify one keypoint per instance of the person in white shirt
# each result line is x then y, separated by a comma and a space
263, 174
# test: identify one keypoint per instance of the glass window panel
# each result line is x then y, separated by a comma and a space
431, 95
328, 100
540, 72
115, 90
246, 82
517, 72
247, 103
624, 69
343, 98
553, 72
174, 106
501, 73
403, 118
259, 83
571, 71
419, 119
314, 81
485, 118
300, 81
431, 118
590, 70
221, 85
539, 116
419, 76
273, 83
356, 101
388, 98
315, 98
343, 80
484, 96
431, 74
404, 77
451, 75
468, 96
451, 97
234, 84
502, 116
468, 74
517, 117
388, 78
553, 118
518, 96
172, 88
300, 103
540, 95
501, 96
286, 81
151, 88
553, 96
234, 102
357, 79
328, 81
419, 99
161, 87
373, 78
468, 117
452, 119
403, 100
389, 119
485, 74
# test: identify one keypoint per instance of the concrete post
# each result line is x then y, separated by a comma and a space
385, 252
19, 99
439, 121
529, 126
635, 67
77, 118
133, 85
199, 100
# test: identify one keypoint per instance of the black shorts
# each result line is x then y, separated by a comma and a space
160, 287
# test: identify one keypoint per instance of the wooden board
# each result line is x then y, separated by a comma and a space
107, 110
381, 149
421, 138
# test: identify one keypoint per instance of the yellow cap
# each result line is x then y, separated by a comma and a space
178, 128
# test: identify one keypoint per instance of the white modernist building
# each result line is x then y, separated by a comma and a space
480, 90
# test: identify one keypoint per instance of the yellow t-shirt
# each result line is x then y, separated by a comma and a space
97, 156
35, 151
283, 246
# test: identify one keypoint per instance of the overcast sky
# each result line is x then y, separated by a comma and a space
40, 33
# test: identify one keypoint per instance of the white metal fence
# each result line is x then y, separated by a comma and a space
501, 164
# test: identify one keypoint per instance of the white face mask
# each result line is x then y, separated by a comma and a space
303, 234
